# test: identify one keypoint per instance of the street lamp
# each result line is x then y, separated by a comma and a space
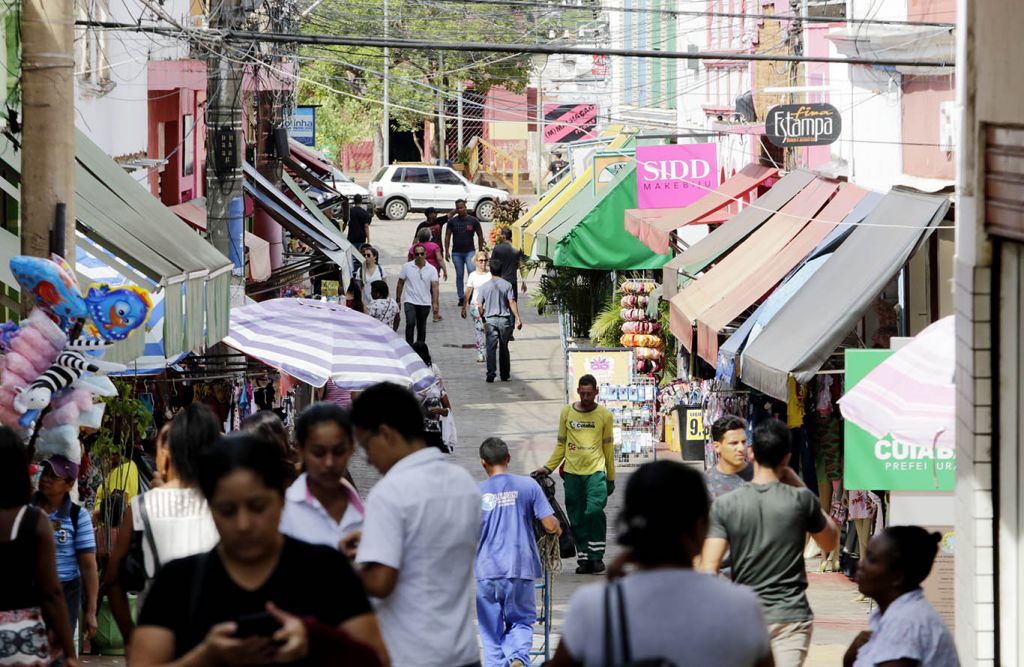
540, 61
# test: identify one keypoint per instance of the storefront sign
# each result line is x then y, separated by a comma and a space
694, 424
301, 125
569, 122
883, 463
676, 175
608, 366
789, 125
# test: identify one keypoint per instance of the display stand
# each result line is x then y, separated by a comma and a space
635, 415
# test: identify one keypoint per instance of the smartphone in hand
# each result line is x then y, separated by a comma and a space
260, 624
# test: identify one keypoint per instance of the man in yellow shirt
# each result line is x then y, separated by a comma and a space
585, 444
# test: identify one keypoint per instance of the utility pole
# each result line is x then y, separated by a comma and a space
796, 26
386, 129
48, 133
460, 114
442, 103
224, 139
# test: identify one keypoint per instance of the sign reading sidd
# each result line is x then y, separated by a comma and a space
675, 175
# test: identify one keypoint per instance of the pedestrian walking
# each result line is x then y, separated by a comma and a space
358, 232
764, 526
510, 258
268, 425
31, 598
354, 298
417, 283
437, 406
251, 599
435, 257
419, 537
507, 560
75, 541
382, 307
500, 313
462, 233
321, 507
172, 520
905, 628
477, 279
585, 445
729, 438
370, 272
434, 223
636, 620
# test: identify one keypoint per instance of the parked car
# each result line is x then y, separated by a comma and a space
343, 185
398, 189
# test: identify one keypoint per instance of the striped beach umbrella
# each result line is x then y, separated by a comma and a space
314, 341
910, 395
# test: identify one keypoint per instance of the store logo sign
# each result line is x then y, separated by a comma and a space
790, 125
674, 176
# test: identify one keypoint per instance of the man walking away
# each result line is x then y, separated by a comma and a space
729, 438
459, 240
507, 561
764, 525
418, 281
419, 535
509, 257
585, 444
358, 233
498, 307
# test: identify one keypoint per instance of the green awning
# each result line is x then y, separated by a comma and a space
117, 213
598, 239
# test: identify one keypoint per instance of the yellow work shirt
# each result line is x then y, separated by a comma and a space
124, 478
585, 442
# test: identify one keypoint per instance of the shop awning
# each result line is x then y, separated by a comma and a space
653, 227
117, 213
751, 256
809, 327
194, 213
700, 255
747, 292
311, 158
598, 239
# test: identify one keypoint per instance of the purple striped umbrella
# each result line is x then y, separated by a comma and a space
314, 341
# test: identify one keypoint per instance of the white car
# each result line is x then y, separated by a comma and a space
398, 189
348, 187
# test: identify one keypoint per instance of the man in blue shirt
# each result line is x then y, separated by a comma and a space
507, 561
74, 539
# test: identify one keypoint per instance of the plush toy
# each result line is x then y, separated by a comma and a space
117, 311
53, 287
69, 367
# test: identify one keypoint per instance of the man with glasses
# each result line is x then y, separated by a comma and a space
417, 282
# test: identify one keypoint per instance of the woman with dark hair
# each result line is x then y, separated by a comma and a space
31, 598
321, 506
354, 297
173, 518
662, 526
250, 600
382, 307
906, 631
436, 404
267, 424
370, 271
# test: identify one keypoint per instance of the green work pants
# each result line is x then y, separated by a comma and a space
585, 498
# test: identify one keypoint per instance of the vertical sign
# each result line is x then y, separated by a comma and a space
301, 125
675, 176
608, 366
569, 122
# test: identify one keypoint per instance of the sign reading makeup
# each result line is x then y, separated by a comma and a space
675, 175
789, 125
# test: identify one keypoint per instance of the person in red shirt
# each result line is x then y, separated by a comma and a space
435, 257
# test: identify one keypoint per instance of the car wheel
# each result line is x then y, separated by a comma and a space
396, 209
485, 210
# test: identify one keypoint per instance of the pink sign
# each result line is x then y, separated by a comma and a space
675, 176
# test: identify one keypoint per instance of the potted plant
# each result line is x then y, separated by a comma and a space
461, 162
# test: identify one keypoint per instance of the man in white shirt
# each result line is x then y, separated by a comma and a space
418, 544
417, 282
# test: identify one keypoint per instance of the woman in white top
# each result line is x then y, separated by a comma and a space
476, 280
174, 515
321, 507
370, 271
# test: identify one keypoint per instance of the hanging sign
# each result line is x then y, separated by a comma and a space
676, 175
569, 122
790, 125
872, 463
301, 125
612, 366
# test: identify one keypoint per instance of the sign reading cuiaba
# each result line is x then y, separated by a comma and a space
883, 463
675, 175
790, 125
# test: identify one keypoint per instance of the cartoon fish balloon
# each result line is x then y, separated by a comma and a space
117, 311
52, 286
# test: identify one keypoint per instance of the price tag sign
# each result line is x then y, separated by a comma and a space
695, 424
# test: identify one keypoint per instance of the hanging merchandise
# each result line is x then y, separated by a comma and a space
641, 331
635, 419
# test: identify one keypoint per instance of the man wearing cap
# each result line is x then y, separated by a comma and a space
73, 537
434, 223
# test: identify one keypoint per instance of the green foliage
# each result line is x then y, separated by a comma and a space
507, 212
607, 327
462, 155
576, 293
125, 421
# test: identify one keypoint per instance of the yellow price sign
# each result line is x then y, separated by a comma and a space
695, 424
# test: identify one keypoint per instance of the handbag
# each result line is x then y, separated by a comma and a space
133, 570
449, 434
614, 589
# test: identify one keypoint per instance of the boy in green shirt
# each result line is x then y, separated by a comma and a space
585, 444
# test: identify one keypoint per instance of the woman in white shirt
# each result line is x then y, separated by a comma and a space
173, 519
370, 271
481, 275
321, 507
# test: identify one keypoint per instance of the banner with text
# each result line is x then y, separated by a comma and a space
607, 365
675, 176
569, 122
301, 125
883, 463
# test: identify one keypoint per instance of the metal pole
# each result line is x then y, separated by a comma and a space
48, 135
386, 129
540, 134
460, 114
442, 102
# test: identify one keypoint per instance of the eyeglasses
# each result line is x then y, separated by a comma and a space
420, 254
368, 255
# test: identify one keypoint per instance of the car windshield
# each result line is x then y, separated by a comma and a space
338, 176
379, 175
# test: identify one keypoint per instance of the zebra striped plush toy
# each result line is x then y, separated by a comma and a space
70, 365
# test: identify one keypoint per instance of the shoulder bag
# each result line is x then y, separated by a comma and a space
133, 570
614, 589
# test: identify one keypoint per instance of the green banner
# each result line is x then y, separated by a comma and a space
884, 464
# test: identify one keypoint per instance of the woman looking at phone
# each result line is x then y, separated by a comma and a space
249, 600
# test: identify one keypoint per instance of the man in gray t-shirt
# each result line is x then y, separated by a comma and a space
764, 526
497, 304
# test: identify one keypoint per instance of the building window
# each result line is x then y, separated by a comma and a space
92, 65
